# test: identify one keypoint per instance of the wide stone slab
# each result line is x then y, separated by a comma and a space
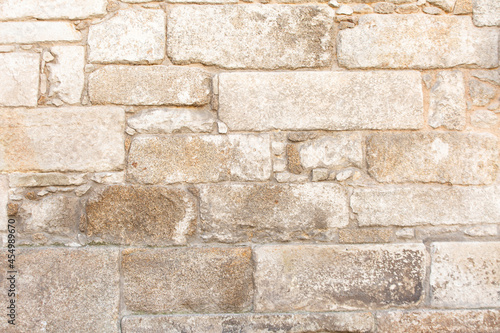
486, 12
52, 9
59, 289
149, 85
456, 158
251, 323
202, 158
332, 277
272, 212
62, 139
429, 42
421, 205
37, 31
187, 280
19, 74
465, 274
251, 36
140, 215
321, 100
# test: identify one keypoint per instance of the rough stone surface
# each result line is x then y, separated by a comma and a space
160, 121
332, 151
133, 35
4, 199
19, 76
491, 76
408, 8
484, 119
426, 204
109, 177
482, 230
66, 75
293, 159
187, 280
481, 93
135, 215
37, 31
432, 10
353, 322
57, 290
384, 8
321, 100
446, 5
272, 212
62, 139
45, 179
465, 274
430, 42
52, 9
486, 12
447, 101
353, 236
308, 278
456, 321
265, 36
204, 158
149, 85
457, 158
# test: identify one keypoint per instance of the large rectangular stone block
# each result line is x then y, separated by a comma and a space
149, 85
321, 100
251, 36
19, 74
62, 139
187, 280
417, 41
457, 158
37, 31
325, 278
201, 158
422, 205
272, 212
51, 9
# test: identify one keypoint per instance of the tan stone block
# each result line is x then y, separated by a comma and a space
447, 101
45, 179
486, 12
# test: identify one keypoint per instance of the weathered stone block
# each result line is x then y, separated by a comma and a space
66, 74
324, 278
149, 85
486, 12
135, 215
447, 101
269, 212
204, 158
429, 42
321, 100
457, 158
37, 31
187, 280
4, 199
19, 74
339, 150
45, 179
446, 5
62, 139
420, 205
484, 119
251, 36
43, 9
480, 93
353, 236
465, 274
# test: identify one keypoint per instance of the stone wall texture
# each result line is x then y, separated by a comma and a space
240, 166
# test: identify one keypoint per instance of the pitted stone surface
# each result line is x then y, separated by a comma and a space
19, 74
447, 101
486, 12
51, 9
37, 31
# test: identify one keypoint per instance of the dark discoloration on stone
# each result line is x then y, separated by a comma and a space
188, 280
12, 209
293, 156
351, 236
301, 136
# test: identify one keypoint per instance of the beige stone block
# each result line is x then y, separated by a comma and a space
339, 150
45, 179
66, 73
19, 74
486, 12
51, 9
37, 31
447, 101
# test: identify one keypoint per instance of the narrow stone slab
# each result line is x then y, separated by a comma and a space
486, 12
429, 42
321, 100
421, 205
447, 101
45, 179
59, 289
203, 158
187, 280
251, 36
325, 278
465, 274
149, 85
457, 158
37, 31
251, 323
268, 212
140, 215
19, 74
43, 9
4, 200
66, 73
456, 321
62, 139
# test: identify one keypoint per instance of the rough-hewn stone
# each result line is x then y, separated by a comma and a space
353, 322
203, 158
324, 278
265, 36
135, 215
4, 199
19, 76
45, 179
332, 151
456, 321
484, 119
133, 35
481, 93
321, 100
353, 236
62, 139
465, 275
491, 76
60, 289
53, 9
429, 42
486, 12
463, 7
272, 212
426, 204
384, 8
66, 75
446, 5
149, 85
447, 101
187, 280
457, 158
37, 31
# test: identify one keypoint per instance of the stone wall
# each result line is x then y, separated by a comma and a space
224, 166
